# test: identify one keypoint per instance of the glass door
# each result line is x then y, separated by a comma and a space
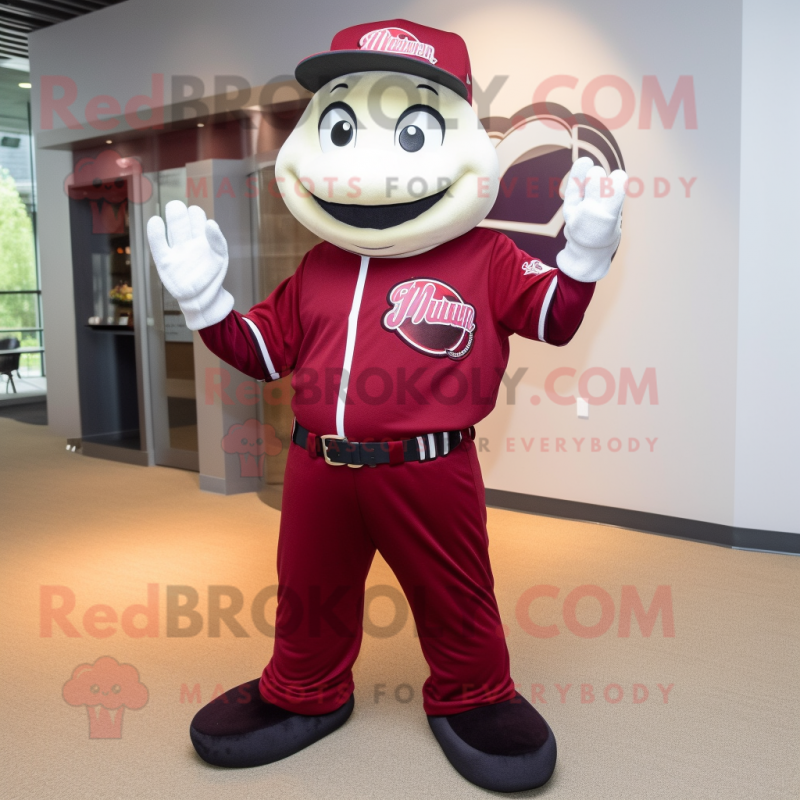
279, 244
106, 287
171, 347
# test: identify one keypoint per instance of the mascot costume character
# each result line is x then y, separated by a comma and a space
392, 168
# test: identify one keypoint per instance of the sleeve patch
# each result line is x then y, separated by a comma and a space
535, 267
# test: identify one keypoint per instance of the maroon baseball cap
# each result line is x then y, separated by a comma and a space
396, 45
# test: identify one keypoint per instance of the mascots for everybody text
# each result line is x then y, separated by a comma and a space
412, 304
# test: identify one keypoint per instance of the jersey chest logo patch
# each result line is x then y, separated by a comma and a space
431, 317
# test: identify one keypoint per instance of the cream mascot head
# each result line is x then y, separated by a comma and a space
389, 159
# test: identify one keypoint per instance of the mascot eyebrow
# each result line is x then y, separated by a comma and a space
342, 86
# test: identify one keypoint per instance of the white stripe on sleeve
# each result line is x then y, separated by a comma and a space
548, 298
264, 352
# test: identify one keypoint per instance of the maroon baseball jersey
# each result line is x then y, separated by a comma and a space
391, 348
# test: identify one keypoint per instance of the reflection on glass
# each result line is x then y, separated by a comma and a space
181, 403
19, 286
178, 346
104, 287
280, 242
112, 285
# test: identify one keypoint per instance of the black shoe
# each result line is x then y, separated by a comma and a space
504, 747
240, 729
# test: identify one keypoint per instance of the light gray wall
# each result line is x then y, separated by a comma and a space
58, 307
768, 358
670, 300
724, 343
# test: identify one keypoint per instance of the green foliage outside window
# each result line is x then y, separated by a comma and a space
17, 269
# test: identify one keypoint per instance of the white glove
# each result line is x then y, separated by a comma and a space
193, 265
593, 220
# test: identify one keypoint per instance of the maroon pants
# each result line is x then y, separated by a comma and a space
428, 520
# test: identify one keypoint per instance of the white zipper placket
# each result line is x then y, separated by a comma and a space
350, 346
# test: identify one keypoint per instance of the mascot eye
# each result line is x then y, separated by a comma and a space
420, 128
411, 138
341, 133
94, 688
337, 127
116, 688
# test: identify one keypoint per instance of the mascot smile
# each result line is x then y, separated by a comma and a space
411, 303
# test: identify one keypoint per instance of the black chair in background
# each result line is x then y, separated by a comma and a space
9, 362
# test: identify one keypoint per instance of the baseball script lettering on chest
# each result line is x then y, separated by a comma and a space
431, 317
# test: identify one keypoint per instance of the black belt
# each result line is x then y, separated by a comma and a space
338, 451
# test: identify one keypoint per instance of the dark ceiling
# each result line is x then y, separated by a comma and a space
19, 17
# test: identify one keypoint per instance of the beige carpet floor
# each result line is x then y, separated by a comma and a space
729, 726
